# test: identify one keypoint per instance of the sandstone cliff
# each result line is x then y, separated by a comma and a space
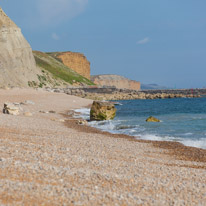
117, 81
75, 61
17, 64
55, 73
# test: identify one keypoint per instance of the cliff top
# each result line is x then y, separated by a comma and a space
58, 54
108, 77
5, 20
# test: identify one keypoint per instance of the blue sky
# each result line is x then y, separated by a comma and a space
161, 41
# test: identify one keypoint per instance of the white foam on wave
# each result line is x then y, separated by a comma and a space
198, 118
199, 143
188, 134
82, 113
107, 125
133, 131
118, 103
156, 137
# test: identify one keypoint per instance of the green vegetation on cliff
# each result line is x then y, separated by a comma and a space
55, 55
58, 69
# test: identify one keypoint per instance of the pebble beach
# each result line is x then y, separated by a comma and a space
46, 158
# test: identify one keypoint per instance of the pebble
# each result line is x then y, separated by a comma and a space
28, 114
44, 112
29, 102
52, 112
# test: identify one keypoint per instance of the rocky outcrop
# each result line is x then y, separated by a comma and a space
102, 111
116, 81
17, 64
102, 93
75, 61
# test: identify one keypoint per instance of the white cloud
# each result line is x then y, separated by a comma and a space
144, 41
55, 36
55, 11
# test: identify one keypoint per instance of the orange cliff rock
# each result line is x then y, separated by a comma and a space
116, 81
77, 62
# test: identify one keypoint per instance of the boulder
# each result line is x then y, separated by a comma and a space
152, 119
102, 111
10, 108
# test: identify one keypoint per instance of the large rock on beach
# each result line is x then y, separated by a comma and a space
102, 111
152, 119
10, 108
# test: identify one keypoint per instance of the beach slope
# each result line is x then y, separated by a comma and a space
47, 159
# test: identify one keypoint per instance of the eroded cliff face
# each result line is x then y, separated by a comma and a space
17, 64
77, 62
117, 81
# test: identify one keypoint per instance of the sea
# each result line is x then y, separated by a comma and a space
182, 120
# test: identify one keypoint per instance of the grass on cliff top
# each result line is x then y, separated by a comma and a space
58, 69
55, 55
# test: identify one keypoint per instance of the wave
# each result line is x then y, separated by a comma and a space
82, 113
199, 143
188, 134
122, 126
157, 138
108, 126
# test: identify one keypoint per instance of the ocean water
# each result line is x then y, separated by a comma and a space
182, 120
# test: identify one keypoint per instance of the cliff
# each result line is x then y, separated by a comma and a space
55, 73
116, 81
76, 61
17, 64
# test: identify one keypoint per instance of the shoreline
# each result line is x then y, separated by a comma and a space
44, 160
174, 148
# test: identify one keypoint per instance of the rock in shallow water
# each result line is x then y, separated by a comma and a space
102, 111
152, 119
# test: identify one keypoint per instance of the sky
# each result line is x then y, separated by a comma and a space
151, 41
